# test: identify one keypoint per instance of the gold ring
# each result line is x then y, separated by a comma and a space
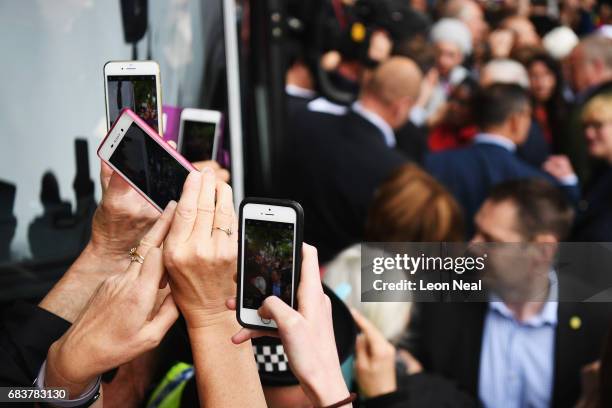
135, 256
228, 231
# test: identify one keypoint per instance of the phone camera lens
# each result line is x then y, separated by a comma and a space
112, 145
122, 130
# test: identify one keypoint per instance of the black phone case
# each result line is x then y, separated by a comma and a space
299, 237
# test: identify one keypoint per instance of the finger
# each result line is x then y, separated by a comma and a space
206, 205
310, 280
163, 282
361, 349
231, 303
367, 328
224, 214
274, 308
186, 210
223, 175
155, 236
157, 327
152, 271
248, 334
106, 172
200, 165
172, 144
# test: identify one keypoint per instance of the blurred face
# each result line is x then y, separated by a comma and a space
522, 123
598, 134
448, 56
515, 266
459, 113
473, 18
526, 35
496, 222
542, 81
579, 70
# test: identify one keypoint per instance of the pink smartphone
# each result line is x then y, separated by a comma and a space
136, 152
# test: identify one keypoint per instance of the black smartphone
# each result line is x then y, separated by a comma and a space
269, 257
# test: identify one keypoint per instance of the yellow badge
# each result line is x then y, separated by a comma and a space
358, 32
575, 322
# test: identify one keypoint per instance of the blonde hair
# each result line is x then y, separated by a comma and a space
599, 107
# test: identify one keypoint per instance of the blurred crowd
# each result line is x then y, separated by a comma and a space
460, 121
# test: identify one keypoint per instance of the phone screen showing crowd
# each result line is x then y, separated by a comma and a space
198, 139
137, 92
268, 262
149, 166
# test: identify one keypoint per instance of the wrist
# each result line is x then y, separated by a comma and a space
203, 319
326, 389
63, 372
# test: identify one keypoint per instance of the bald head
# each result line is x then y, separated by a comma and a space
395, 79
392, 90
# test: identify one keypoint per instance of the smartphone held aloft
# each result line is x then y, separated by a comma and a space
138, 154
269, 257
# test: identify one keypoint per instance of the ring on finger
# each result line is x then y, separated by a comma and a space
227, 230
135, 256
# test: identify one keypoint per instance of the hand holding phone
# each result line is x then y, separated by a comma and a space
307, 335
270, 238
139, 155
200, 250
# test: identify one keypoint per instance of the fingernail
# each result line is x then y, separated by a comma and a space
195, 175
171, 205
208, 171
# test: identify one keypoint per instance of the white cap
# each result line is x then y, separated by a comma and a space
560, 41
505, 71
454, 31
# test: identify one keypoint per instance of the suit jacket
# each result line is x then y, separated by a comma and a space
412, 142
447, 339
337, 162
26, 333
470, 172
535, 150
594, 216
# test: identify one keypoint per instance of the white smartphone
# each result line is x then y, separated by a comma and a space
134, 85
138, 154
199, 133
270, 248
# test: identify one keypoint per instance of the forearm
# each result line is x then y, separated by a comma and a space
72, 292
226, 373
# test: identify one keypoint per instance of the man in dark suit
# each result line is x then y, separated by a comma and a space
338, 161
503, 115
523, 347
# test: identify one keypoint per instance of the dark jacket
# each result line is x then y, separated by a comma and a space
470, 172
447, 339
26, 333
337, 162
594, 216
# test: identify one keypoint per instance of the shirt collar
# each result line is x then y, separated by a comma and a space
376, 120
324, 105
299, 92
546, 316
496, 140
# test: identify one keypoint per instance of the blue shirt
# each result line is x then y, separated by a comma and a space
517, 358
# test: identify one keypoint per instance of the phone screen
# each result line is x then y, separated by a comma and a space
137, 92
268, 262
198, 140
149, 166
